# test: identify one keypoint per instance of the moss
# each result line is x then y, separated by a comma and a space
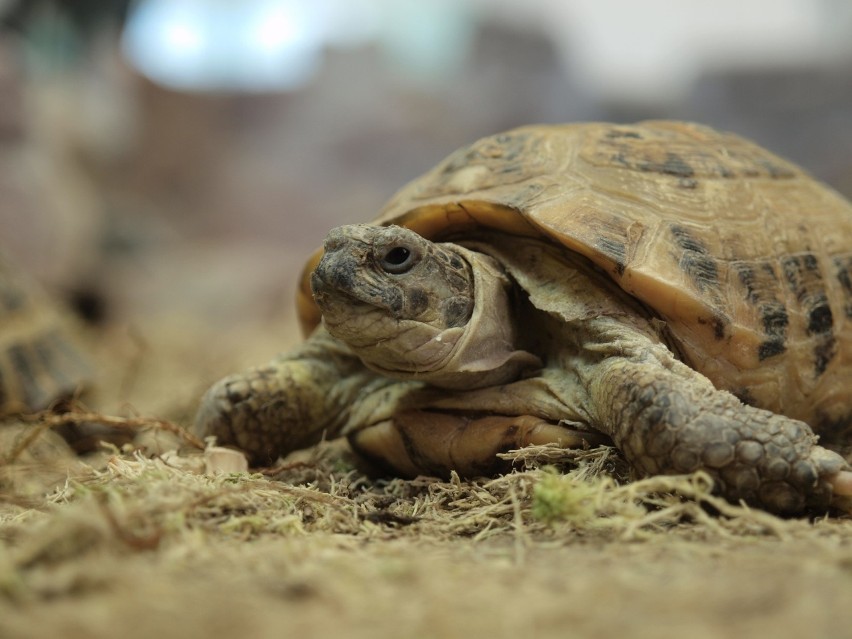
564, 498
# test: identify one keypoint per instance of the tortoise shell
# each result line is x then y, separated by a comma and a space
39, 361
746, 258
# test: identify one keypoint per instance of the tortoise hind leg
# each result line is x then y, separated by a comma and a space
419, 442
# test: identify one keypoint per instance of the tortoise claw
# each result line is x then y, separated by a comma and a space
841, 483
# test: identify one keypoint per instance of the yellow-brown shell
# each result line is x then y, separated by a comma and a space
39, 360
745, 257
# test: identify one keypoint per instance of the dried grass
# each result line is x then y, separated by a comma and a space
133, 500
75, 533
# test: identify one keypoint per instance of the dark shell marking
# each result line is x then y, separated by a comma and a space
761, 286
626, 148
843, 269
696, 260
614, 250
703, 270
805, 281
673, 165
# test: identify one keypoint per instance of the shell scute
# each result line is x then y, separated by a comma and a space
670, 149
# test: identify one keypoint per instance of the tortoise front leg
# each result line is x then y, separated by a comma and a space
422, 442
290, 403
669, 419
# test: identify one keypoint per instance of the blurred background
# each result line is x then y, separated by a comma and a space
180, 159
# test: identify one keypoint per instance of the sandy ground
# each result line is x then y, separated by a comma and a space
136, 544
343, 586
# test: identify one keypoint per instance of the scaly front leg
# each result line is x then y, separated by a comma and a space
669, 419
288, 404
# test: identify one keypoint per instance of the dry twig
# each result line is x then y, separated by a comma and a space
54, 420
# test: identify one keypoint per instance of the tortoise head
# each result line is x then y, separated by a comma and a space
370, 278
408, 307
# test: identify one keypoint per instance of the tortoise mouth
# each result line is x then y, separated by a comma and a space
349, 317
329, 295
344, 300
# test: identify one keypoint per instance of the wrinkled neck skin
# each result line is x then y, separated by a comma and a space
478, 352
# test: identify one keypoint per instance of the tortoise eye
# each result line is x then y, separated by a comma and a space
399, 259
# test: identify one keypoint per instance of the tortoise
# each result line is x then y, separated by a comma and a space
41, 362
679, 291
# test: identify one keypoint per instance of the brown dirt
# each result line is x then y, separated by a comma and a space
150, 542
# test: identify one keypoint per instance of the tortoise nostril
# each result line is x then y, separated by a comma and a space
332, 243
335, 239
